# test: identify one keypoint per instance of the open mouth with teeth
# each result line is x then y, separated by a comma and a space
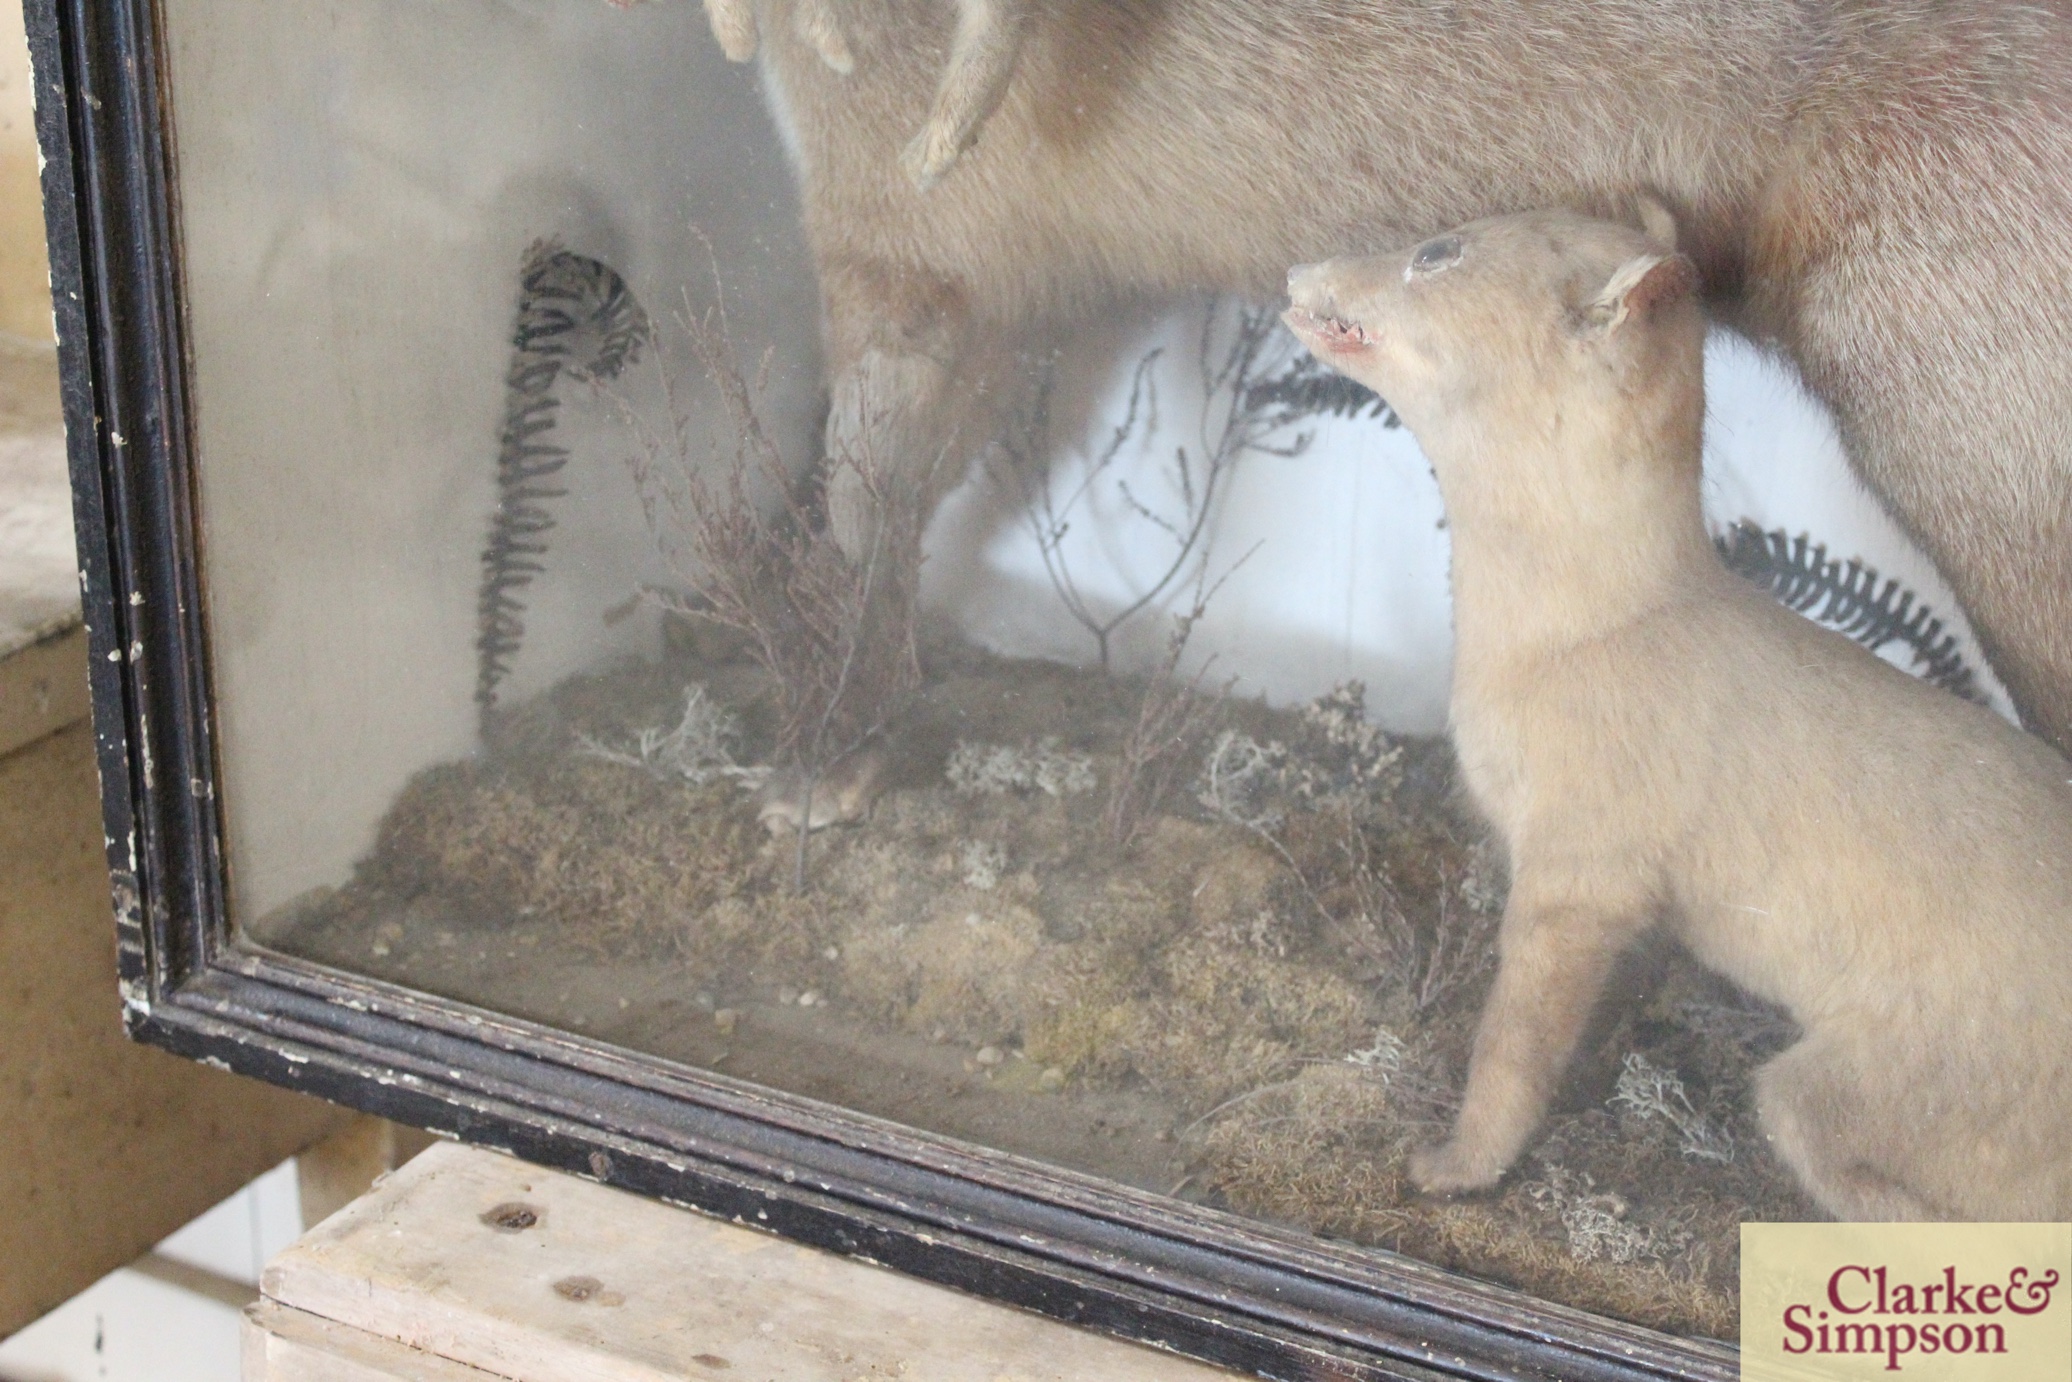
1325, 331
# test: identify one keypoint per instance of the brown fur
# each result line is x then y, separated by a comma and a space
1880, 189
1657, 742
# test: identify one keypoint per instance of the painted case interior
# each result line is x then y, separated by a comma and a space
1164, 875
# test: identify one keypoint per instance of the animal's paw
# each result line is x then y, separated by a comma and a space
842, 795
815, 22
929, 155
1449, 1169
733, 24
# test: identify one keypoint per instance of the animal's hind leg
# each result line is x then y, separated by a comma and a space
1820, 1123
1924, 300
1985, 485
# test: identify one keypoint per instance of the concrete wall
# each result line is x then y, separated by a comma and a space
24, 267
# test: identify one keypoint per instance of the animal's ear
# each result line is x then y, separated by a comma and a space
1640, 286
1656, 220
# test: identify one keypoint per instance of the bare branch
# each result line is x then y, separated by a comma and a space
1235, 422
836, 636
1171, 717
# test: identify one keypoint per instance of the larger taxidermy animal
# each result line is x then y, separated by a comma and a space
1882, 189
1656, 741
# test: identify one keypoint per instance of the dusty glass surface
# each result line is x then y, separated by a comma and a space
539, 620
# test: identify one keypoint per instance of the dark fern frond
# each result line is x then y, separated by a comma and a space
574, 315
1306, 388
1848, 596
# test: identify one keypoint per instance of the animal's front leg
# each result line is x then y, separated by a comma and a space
1555, 960
890, 434
904, 411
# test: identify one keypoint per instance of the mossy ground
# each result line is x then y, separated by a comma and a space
1291, 998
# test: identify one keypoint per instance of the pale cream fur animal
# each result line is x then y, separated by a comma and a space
1880, 188
1656, 741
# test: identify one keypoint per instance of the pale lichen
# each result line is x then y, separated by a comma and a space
997, 769
698, 750
1651, 1092
1597, 1221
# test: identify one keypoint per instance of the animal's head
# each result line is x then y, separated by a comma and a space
1511, 322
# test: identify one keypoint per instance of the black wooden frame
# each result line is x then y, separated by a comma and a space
1202, 1283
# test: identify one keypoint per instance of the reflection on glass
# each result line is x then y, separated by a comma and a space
603, 634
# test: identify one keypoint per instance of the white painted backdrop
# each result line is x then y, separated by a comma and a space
1347, 572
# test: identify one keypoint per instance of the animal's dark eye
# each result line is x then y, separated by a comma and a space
1434, 255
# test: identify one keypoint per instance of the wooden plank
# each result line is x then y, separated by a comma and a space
105, 1147
542, 1277
287, 1345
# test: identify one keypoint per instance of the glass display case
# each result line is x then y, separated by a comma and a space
795, 635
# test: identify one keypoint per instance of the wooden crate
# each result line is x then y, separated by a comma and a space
466, 1266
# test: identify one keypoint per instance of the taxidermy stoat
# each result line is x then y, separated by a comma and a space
1881, 189
1655, 740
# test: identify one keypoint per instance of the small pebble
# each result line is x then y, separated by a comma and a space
811, 999
625, 1003
726, 1019
381, 948
831, 954
989, 1055
939, 1036
1051, 1080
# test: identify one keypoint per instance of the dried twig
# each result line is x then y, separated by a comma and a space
836, 634
1171, 716
1652, 1092
1240, 416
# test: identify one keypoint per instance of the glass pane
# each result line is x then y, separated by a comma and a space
586, 507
